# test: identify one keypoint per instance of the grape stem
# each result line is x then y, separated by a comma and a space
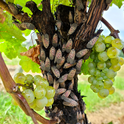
114, 32
10, 85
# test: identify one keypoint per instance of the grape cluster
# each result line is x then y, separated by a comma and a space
36, 90
105, 64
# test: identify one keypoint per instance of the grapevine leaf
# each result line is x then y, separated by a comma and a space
84, 67
117, 2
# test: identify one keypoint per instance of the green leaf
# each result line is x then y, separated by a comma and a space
117, 2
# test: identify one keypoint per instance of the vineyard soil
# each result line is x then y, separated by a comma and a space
114, 113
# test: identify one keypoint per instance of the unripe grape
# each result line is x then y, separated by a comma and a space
108, 64
111, 74
100, 78
33, 104
115, 61
99, 47
111, 90
101, 65
100, 39
112, 52
108, 83
50, 102
92, 71
41, 103
29, 78
94, 82
116, 67
100, 85
19, 78
92, 55
37, 108
94, 89
103, 56
121, 62
50, 92
91, 65
105, 70
90, 79
109, 39
39, 92
29, 95
102, 74
97, 73
117, 43
103, 93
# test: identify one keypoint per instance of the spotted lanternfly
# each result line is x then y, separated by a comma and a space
79, 115
19, 26
58, 24
69, 45
69, 101
52, 53
71, 74
58, 56
55, 85
62, 85
79, 4
63, 47
39, 37
55, 40
91, 43
55, 110
61, 63
72, 28
68, 65
50, 78
45, 39
71, 57
71, 85
13, 8
60, 91
27, 25
63, 78
78, 66
55, 71
74, 96
47, 64
70, 17
42, 54
81, 53
67, 93
42, 65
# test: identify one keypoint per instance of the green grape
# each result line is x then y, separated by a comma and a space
96, 59
92, 71
108, 39
117, 43
39, 92
29, 78
108, 83
112, 52
99, 47
105, 77
90, 79
116, 67
113, 79
50, 92
92, 55
102, 56
37, 108
19, 78
103, 93
121, 62
91, 65
38, 80
111, 90
33, 104
99, 78
50, 102
105, 70
94, 89
108, 45
100, 85
100, 39
101, 65
102, 74
115, 61
94, 82
41, 103
29, 95
108, 64
110, 73
97, 73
